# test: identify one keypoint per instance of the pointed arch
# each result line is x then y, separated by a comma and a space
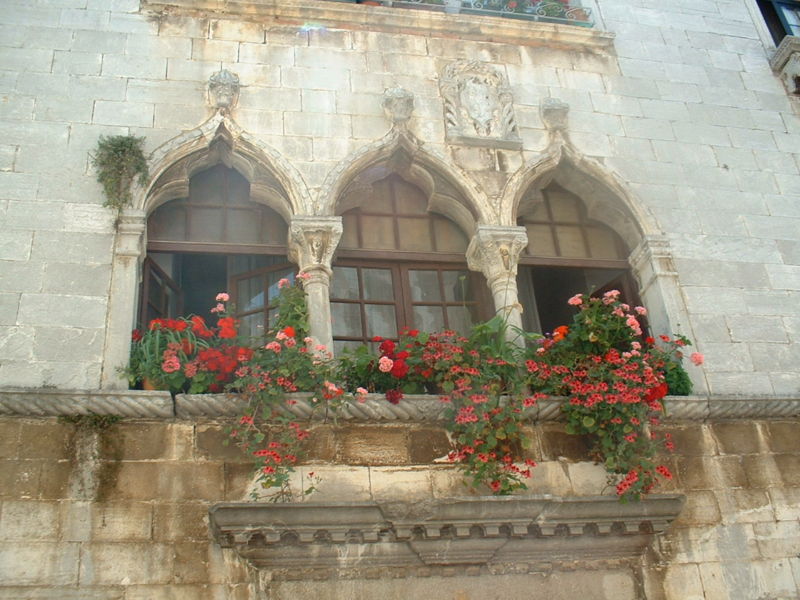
273, 180
606, 199
449, 190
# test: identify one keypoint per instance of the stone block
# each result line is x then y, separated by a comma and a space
180, 521
427, 445
315, 78
28, 520
19, 479
45, 438
389, 484
16, 245
16, 343
135, 67
77, 63
683, 581
70, 311
588, 479
191, 70
260, 121
317, 125
64, 343
168, 481
212, 50
182, 117
237, 31
373, 446
701, 509
68, 247
124, 114
89, 87
238, 480
738, 437
753, 328
122, 522
9, 438
124, 563
761, 471
39, 564
72, 278
785, 503
212, 443
340, 483
782, 436
789, 467
557, 444
104, 42
191, 562
725, 382
279, 100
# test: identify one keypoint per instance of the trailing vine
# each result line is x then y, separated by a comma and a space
119, 159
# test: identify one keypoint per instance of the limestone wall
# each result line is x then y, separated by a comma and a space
674, 101
122, 513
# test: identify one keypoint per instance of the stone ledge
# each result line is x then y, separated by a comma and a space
376, 409
342, 15
297, 541
54, 403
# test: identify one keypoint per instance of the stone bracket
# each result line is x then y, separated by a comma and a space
298, 541
786, 63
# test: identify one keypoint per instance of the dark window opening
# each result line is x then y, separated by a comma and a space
782, 17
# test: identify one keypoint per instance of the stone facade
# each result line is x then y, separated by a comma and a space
665, 118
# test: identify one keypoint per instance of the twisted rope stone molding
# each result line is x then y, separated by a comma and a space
412, 408
303, 540
55, 403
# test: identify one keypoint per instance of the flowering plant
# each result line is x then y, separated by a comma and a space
396, 370
186, 354
614, 385
289, 362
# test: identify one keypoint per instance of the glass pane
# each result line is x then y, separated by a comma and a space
205, 224
350, 231
344, 283
570, 241
380, 320
460, 318
602, 243
381, 199
448, 237
564, 207
274, 229
539, 213
346, 319
272, 317
243, 227
168, 222
414, 234
377, 232
377, 284
250, 294
424, 286
207, 187
540, 240
429, 318
340, 346
252, 325
274, 278
456, 286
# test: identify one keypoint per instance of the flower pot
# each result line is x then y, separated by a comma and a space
149, 385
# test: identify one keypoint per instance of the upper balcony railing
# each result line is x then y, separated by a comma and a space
545, 11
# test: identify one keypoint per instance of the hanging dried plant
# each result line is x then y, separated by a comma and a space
118, 160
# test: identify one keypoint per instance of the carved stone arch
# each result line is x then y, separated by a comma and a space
450, 191
606, 199
273, 180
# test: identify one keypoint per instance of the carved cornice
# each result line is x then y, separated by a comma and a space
788, 46
53, 403
300, 540
345, 15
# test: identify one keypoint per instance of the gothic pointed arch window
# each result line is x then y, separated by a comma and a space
567, 253
215, 239
399, 265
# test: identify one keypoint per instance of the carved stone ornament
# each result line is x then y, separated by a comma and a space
478, 109
554, 113
398, 104
303, 540
313, 240
223, 89
494, 251
786, 63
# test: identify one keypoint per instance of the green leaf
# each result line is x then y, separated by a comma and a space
588, 421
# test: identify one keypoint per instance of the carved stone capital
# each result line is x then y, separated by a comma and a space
312, 242
554, 114
655, 255
130, 233
223, 90
398, 104
494, 251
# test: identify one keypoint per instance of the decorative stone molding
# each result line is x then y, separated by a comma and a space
349, 15
786, 63
223, 90
376, 409
398, 104
478, 109
54, 403
494, 251
313, 240
298, 541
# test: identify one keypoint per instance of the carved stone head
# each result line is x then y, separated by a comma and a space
398, 104
223, 89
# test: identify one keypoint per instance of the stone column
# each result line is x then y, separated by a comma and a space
121, 314
660, 292
312, 241
494, 251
